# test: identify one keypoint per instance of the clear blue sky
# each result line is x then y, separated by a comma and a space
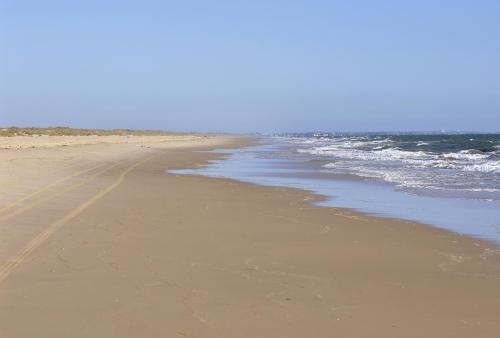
251, 65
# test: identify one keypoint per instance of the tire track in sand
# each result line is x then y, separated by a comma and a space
60, 192
9, 266
47, 187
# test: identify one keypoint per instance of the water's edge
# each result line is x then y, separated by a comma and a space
476, 219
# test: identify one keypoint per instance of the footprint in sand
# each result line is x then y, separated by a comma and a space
326, 229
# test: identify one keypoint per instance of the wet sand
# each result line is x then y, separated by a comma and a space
98, 241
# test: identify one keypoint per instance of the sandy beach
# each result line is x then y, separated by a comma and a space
98, 241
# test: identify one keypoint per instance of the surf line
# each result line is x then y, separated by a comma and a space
14, 261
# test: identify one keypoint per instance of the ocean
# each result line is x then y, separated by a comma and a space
450, 181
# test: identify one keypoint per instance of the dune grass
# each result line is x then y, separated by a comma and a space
67, 131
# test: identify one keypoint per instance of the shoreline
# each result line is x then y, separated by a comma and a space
315, 200
180, 255
256, 165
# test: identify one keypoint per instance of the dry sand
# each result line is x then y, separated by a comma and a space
43, 141
97, 241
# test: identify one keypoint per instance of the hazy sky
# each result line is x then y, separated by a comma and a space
251, 65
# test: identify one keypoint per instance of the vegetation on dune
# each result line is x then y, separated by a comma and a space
66, 131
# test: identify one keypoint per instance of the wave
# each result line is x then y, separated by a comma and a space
467, 155
403, 177
463, 160
465, 165
488, 167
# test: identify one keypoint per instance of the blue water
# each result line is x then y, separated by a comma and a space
460, 165
278, 163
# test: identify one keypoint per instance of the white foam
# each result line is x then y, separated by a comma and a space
487, 167
466, 155
464, 171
